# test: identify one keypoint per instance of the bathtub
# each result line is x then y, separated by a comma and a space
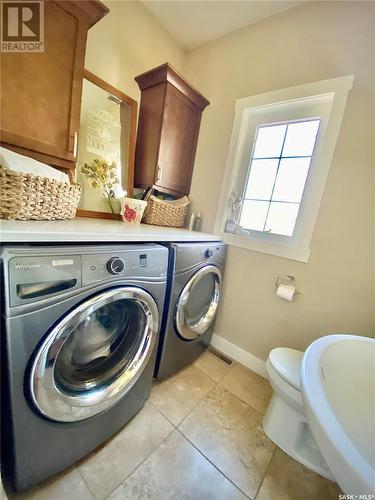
338, 387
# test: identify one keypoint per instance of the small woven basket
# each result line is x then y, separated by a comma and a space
31, 197
165, 213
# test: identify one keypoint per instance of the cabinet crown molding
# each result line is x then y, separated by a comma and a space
166, 73
93, 8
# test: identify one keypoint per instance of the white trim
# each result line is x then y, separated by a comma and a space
307, 90
293, 253
338, 89
247, 359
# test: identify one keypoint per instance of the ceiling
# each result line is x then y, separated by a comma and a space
195, 22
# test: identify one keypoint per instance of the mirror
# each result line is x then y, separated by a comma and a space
107, 132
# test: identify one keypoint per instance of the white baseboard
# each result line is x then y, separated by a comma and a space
247, 359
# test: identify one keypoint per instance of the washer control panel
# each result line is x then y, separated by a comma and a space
130, 264
35, 273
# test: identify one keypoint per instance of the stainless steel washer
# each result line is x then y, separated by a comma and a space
80, 330
195, 276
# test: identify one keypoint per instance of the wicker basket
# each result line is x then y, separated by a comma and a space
165, 213
31, 197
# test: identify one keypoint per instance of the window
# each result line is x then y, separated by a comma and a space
277, 175
279, 157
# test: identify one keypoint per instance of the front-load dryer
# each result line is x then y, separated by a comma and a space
80, 330
195, 276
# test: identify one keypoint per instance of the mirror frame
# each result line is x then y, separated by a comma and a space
132, 140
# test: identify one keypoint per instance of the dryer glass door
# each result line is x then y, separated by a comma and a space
197, 305
94, 355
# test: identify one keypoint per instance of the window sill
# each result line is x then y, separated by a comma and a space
287, 252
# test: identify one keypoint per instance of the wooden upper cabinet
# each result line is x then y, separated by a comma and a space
168, 128
41, 92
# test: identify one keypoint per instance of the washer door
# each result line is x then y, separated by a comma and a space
94, 355
196, 308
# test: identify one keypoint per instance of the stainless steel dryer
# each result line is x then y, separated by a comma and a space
80, 330
195, 276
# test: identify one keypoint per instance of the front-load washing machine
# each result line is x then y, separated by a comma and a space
195, 276
80, 330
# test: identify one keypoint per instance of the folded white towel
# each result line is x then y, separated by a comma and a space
19, 163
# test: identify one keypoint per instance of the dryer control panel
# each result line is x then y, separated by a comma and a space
189, 255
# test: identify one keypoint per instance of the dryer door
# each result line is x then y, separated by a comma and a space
95, 354
197, 305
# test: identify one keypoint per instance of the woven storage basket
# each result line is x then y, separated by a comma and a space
165, 213
31, 197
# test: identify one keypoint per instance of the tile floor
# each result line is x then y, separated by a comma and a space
198, 437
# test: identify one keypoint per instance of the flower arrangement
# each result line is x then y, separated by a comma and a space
102, 175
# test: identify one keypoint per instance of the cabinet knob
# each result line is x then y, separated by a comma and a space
158, 173
75, 146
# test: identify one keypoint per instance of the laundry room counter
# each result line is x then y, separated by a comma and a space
88, 230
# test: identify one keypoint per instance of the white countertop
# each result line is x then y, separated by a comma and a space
98, 230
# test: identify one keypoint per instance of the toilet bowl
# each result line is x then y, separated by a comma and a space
285, 422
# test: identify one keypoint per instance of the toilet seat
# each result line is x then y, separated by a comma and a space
286, 390
287, 362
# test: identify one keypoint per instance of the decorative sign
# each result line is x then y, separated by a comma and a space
103, 135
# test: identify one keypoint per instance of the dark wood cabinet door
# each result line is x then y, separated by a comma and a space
41, 92
148, 136
178, 142
168, 129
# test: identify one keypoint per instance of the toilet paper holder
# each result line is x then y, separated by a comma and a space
286, 279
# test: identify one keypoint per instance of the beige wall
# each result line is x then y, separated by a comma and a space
312, 42
122, 45
127, 42
316, 41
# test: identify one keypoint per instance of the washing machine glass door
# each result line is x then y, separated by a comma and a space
197, 305
95, 354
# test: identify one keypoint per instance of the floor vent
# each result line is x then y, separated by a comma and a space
220, 355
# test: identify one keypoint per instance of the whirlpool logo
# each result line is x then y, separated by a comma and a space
27, 267
22, 26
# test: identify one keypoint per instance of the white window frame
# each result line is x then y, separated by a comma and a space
328, 98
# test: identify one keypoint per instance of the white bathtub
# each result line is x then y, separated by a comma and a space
338, 385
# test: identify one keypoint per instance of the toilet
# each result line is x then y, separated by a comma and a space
285, 422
